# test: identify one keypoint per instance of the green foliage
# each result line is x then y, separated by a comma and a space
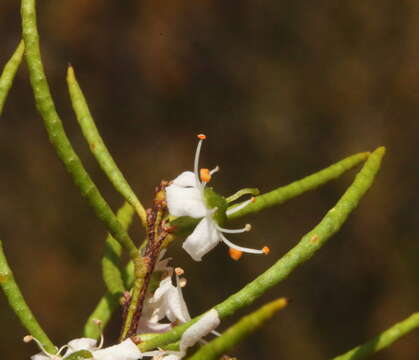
9, 72
138, 272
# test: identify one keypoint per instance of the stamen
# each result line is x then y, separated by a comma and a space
235, 254
179, 271
216, 169
247, 228
98, 323
201, 138
240, 206
182, 282
240, 248
29, 338
205, 175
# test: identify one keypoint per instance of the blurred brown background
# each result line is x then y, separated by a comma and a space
282, 89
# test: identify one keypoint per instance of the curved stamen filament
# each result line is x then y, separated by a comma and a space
29, 338
240, 248
248, 227
240, 206
201, 138
213, 171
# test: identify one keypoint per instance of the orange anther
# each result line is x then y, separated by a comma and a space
201, 136
266, 250
235, 254
205, 175
252, 199
179, 271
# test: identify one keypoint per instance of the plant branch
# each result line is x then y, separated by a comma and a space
296, 188
9, 72
56, 132
18, 304
303, 251
98, 147
383, 340
239, 331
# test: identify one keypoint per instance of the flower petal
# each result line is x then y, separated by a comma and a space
207, 323
184, 198
186, 179
203, 239
40, 356
126, 350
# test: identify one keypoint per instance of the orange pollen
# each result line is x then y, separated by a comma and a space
179, 271
235, 254
201, 136
266, 250
253, 199
205, 175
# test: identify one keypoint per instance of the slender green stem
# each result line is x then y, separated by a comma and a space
296, 188
114, 278
103, 312
383, 340
18, 304
107, 305
111, 260
239, 331
9, 72
98, 147
303, 251
57, 135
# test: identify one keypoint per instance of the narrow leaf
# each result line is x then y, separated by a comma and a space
296, 188
19, 305
98, 147
239, 331
383, 340
9, 72
56, 132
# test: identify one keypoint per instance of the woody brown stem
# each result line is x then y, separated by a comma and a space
144, 266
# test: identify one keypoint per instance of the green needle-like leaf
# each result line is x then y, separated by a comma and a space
103, 312
57, 135
114, 277
9, 72
303, 251
296, 188
383, 340
111, 266
18, 304
239, 331
98, 147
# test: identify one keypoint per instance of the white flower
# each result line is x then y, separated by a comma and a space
126, 350
166, 302
186, 197
206, 324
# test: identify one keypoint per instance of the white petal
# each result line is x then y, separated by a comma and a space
184, 197
207, 323
126, 350
173, 357
203, 239
176, 306
164, 287
80, 344
186, 179
185, 202
40, 356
